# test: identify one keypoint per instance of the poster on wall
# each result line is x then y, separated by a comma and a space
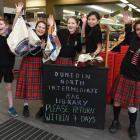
74, 96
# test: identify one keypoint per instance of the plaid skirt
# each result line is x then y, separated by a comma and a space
126, 92
64, 61
29, 81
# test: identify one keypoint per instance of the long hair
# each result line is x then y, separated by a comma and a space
135, 24
76, 20
87, 28
46, 30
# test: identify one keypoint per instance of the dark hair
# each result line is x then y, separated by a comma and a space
75, 18
3, 19
41, 21
96, 14
88, 30
135, 24
46, 31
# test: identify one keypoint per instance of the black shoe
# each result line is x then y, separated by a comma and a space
40, 113
132, 132
115, 126
26, 112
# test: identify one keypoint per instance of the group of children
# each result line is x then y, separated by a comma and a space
126, 89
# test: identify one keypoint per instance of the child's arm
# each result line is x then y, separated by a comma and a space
19, 8
128, 27
84, 20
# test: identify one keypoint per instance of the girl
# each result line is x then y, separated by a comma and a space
29, 80
126, 89
70, 41
7, 60
92, 32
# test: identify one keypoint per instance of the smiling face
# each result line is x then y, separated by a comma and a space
40, 29
2, 26
72, 25
138, 30
92, 21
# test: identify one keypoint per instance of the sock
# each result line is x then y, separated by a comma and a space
132, 118
116, 111
26, 104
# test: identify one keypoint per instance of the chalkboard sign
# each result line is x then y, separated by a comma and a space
74, 96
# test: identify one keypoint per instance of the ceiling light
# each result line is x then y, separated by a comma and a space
138, 10
124, 1
132, 6
99, 8
68, 11
122, 5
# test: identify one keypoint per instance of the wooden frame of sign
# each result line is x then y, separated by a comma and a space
74, 96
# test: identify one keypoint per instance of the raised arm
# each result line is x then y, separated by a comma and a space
128, 27
84, 21
19, 8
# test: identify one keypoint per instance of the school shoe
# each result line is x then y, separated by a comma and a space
12, 112
132, 132
26, 112
40, 113
115, 126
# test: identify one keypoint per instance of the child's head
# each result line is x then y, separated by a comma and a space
137, 28
72, 24
93, 19
41, 28
3, 25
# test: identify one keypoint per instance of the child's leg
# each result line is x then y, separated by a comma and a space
116, 110
132, 112
9, 92
115, 126
26, 112
11, 109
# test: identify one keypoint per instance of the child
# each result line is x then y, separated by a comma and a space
70, 41
126, 90
92, 32
29, 80
7, 60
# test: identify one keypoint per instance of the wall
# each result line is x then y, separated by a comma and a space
51, 3
1, 7
11, 3
35, 3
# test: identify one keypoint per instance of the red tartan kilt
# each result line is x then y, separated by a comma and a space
64, 61
126, 92
29, 81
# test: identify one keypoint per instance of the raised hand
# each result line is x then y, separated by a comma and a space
19, 7
126, 19
51, 20
84, 19
43, 44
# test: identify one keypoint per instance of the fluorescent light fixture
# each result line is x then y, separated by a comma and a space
138, 10
120, 15
132, 6
32, 9
124, 1
68, 11
122, 5
99, 8
40, 12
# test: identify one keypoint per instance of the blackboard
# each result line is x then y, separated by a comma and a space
74, 96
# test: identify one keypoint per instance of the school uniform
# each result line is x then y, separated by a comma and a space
7, 60
92, 38
29, 81
71, 45
126, 89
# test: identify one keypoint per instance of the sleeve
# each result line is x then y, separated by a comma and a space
98, 36
79, 44
128, 33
